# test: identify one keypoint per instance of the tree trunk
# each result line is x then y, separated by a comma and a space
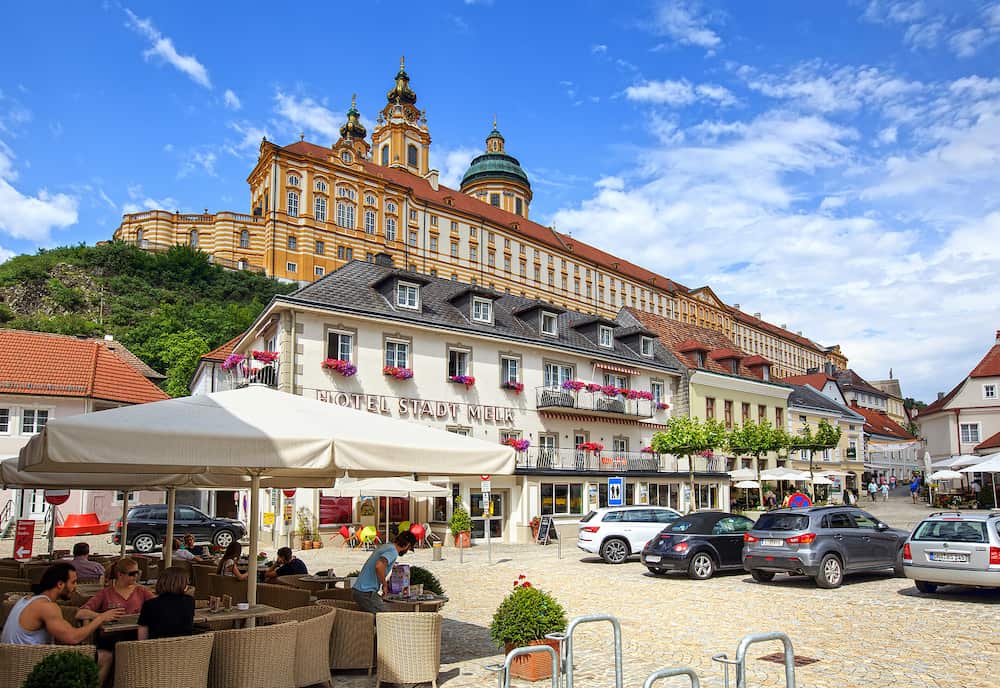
691, 506
760, 486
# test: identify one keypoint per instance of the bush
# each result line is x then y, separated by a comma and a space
421, 576
526, 614
460, 521
63, 670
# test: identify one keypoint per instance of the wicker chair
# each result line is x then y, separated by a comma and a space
10, 570
227, 585
14, 585
313, 630
5, 608
282, 596
17, 661
352, 642
33, 573
202, 581
420, 634
344, 594
165, 663
261, 657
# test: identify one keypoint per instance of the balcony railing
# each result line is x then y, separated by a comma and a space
541, 459
249, 372
591, 403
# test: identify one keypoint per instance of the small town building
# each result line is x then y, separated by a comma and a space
807, 406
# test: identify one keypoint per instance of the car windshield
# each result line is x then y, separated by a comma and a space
951, 531
589, 516
681, 525
782, 522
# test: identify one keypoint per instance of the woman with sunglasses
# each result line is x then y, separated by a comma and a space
125, 593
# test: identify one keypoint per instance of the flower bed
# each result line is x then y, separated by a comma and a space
398, 373
466, 380
345, 368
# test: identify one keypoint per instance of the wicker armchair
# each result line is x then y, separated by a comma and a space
227, 585
420, 634
165, 663
5, 608
261, 657
282, 596
17, 661
352, 642
14, 585
202, 582
313, 630
344, 594
33, 572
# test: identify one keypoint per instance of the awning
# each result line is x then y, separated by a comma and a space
611, 367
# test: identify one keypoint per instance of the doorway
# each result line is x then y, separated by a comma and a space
478, 511
226, 504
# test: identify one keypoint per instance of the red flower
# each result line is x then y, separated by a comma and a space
526, 584
521, 577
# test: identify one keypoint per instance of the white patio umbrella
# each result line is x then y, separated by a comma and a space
387, 487
258, 433
820, 480
783, 474
748, 484
743, 474
945, 474
989, 465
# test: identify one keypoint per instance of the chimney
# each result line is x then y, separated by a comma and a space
383, 259
784, 326
737, 307
432, 179
757, 315
940, 395
998, 336
799, 332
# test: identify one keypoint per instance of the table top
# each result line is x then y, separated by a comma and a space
129, 622
422, 600
320, 578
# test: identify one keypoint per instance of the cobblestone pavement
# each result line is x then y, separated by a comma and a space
876, 630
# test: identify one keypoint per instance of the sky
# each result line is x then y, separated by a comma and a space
830, 165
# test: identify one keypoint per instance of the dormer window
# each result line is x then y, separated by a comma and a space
293, 180
604, 337
646, 346
482, 310
701, 358
549, 324
734, 366
408, 295
346, 157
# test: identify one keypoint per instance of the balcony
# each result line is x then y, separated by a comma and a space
248, 372
595, 403
542, 460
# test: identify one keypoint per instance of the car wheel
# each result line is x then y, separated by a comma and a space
144, 543
831, 572
223, 538
762, 576
701, 567
924, 586
614, 551
897, 568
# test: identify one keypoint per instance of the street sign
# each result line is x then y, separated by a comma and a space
799, 500
616, 491
24, 538
56, 497
288, 493
268, 518
486, 483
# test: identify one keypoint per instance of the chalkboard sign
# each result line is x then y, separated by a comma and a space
547, 531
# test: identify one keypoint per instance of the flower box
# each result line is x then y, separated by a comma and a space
345, 368
398, 373
466, 380
590, 446
518, 445
516, 387
232, 361
662, 406
265, 356
574, 385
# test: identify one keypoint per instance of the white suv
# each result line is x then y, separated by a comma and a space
616, 532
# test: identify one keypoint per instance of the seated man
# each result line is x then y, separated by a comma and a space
196, 550
85, 568
179, 553
38, 620
285, 565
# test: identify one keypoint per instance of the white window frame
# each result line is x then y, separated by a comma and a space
510, 364
10, 417
291, 267
548, 317
292, 243
318, 271
391, 207
990, 390
344, 344
605, 335
398, 345
657, 389
319, 208
292, 204
403, 292
390, 229
370, 222
321, 186
346, 215
294, 180
244, 239
554, 374
34, 410
646, 346
482, 310
462, 361
462, 430
963, 427
370, 199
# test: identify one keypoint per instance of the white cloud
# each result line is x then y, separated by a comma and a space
32, 217
895, 12
139, 200
599, 49
163, 48
684, 22
249, 142
198, 160
231, 100
308, 115
832, 203
888, 135
5, 254
452, 163
968, 42
678, 93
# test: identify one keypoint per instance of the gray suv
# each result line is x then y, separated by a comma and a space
953, 548
822, 542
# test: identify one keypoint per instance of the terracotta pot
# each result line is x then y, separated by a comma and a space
536, 666
307, 544
463, 539
534, 532
317, 544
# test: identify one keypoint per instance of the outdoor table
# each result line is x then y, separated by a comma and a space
423, 603
328, 581
129, 622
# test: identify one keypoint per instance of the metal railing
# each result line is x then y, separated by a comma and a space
6, 518
740, 663
542, 459
555, 398
249, 373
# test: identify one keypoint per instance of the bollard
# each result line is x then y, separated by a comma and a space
436, 550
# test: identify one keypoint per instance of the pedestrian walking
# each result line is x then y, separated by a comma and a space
892, 482
914, 488
873, 490
885, 492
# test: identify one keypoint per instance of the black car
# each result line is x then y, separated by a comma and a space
700, 543
147, 527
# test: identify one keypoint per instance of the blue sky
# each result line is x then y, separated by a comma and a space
830, 165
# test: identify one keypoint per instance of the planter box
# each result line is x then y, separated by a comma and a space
463, 539
536, 666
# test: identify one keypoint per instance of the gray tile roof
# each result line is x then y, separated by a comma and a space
350, 289
803, 396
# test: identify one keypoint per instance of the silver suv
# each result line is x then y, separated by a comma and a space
954, 548
618, 531
823, 542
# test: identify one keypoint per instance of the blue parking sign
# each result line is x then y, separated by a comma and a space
616, 491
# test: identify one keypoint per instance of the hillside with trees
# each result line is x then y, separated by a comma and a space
168, 308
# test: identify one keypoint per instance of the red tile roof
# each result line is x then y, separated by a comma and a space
726, 354
878, 423
45, 364
815, 380
748, 319
683, 339
990, 365
119, 350
219, 354
991, 442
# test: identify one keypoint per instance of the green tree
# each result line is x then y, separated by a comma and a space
687, 437
755, 440
825, 437
181, 351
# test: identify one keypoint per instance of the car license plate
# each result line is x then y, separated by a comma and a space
772, 542
652, 558
954, 558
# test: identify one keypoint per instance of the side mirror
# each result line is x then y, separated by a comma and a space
882, 526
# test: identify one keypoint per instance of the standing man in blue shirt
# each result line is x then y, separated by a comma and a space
374, 573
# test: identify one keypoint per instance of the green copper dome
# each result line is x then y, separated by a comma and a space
494, 166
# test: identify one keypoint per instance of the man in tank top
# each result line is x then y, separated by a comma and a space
37, 620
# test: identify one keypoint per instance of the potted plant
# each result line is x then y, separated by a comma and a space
303, 529
64, 670
317, 542
525, 617
535, 523
461, 526
421, 576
